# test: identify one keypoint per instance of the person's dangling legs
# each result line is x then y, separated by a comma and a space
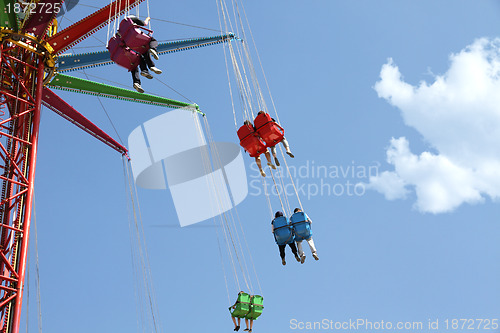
273, 152
268, 157
149, 62
287, 147
136, 80
143, 64
259, 164
313, 248
282, 253
153, 45
294, 250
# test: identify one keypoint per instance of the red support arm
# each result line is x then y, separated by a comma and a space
41, 16
59, 106
73, 34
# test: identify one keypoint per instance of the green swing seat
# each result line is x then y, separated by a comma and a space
256, 307
241, 307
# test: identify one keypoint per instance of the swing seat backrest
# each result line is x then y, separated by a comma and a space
283, 233
256, 308
301, 226
251, 141
242, 307
268, 130
137, 38
122, 55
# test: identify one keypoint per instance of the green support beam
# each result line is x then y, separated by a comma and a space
8, 17
74, 84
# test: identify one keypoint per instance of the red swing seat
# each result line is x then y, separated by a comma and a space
122, 55
268, 130
250, 141
134, 37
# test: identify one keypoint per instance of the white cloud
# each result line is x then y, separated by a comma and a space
459, 116
389, 184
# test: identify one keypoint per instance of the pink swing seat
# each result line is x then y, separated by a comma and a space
123, 55
134, 36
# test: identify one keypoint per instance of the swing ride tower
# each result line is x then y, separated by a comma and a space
21, 72
30, 65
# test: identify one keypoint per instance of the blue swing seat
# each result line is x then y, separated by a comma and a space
301, 226
283, 233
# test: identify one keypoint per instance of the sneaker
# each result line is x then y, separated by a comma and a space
237, 328
262, 173
283, 262
290, 154
303, 258
154, 53
271, 166
146, 74
315, 256
156, 70
297, 257
137, 86
246, 329
276, 161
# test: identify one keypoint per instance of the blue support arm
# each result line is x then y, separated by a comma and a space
94, 59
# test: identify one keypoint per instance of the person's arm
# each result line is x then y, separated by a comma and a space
137, 20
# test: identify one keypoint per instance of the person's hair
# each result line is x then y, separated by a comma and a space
296, 210
278, 214
261, 112
247, 122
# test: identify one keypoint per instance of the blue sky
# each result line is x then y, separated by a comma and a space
380, 259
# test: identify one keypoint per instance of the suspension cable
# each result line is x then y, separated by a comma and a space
247, 82
138, 231
219, 165
227, 69
134, 254
38, 288
106, 112
260, 63
228, 220
268, 200
149, 15
233, 236
109, 24
213, 186
291, 178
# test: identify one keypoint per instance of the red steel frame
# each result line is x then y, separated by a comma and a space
21, 72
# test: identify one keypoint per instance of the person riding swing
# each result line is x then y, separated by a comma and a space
247, 307
253, 144
240, 309
131, 48
272, 133
283, 235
